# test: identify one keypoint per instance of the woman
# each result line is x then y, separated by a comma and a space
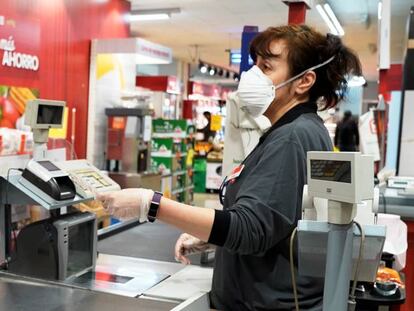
296, 68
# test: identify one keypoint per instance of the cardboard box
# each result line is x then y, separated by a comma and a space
162, 147
165, 165
172, 128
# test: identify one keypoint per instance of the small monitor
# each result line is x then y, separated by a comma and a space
44, 114
47, 114
330, 170
341, 176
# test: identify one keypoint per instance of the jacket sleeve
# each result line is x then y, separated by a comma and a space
269, 202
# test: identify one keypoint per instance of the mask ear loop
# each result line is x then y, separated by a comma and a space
305, 71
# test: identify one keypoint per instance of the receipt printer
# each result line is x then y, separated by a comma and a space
50, 179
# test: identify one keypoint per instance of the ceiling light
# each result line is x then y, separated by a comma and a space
202, 67
326, 19
354, 81
220, 72
227, 74
335, 21
148, 17
379, 10
236, 77
212, 71
152, 15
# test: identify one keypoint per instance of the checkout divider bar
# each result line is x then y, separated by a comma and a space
117, 228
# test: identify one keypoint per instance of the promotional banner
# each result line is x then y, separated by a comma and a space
19, 47
13, 104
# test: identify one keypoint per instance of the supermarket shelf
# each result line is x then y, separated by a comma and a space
183, 172
176, 173
179, 190
167, 155
170, 135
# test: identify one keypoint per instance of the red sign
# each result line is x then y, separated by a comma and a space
19, 46
208, 90
169, 84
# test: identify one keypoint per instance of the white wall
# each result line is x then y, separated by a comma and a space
406, 164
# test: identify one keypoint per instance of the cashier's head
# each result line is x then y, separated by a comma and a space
290, 52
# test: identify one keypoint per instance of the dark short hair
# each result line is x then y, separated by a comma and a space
347, 114
306, 48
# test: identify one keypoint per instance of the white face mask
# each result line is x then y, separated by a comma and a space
256, 91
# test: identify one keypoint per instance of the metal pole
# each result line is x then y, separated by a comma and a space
3, 233
338, 267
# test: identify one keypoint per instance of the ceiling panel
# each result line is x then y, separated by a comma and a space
216, 25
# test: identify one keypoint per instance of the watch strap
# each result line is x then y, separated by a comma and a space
155, 204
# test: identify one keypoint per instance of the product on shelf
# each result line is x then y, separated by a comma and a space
172, 155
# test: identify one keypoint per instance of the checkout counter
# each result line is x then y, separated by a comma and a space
79, 278
53, 264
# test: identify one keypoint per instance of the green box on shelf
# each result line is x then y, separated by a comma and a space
199, 179
200, 165
165, 164
162, 146
175, 128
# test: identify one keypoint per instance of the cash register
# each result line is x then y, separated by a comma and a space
63, 245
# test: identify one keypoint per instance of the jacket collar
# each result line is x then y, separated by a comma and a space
291, 116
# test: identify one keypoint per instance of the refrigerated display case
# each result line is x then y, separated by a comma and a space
166, 98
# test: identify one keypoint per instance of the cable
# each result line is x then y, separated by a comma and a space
361, 253
292, 269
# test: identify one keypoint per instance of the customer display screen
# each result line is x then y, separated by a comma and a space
328, 170
80, 247
47, 114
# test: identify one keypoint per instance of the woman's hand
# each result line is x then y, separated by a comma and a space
127, 203
186, 245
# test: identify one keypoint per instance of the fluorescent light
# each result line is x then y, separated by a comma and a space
335, 21
152, 14
356, 81
379, 10
326, 19
148, 17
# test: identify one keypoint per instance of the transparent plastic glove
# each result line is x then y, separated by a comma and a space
127, 203
186, 245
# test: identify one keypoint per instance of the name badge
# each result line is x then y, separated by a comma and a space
235, 173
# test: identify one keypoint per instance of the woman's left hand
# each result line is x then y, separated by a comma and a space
127, 203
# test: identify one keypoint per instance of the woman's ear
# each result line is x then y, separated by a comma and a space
304, 84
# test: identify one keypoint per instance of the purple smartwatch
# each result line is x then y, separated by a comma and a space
155, 204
